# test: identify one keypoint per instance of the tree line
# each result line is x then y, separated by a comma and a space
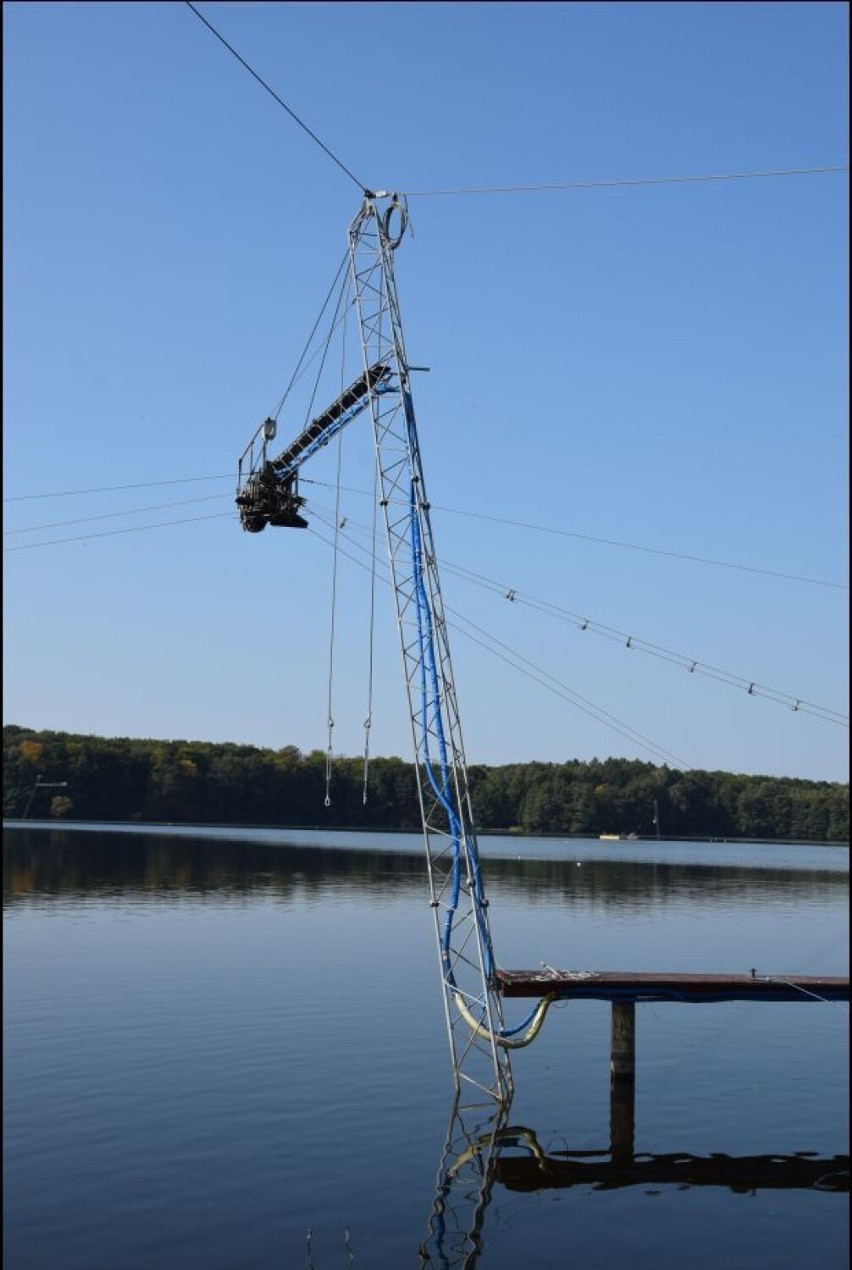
196, 782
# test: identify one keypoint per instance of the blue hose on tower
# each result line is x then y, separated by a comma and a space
429, 677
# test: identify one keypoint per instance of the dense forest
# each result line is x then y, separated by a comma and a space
197, 782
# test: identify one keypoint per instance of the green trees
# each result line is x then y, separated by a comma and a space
122, 779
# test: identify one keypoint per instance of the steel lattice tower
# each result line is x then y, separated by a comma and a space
473, 1007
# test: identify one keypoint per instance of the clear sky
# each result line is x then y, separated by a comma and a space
658, 366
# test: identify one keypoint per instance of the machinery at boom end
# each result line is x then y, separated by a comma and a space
268, 489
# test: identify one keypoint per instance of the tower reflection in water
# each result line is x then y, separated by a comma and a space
480, 1150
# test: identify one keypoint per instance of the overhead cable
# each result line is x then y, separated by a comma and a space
583, 623
634, 642
614, 542
527, 668
634, 546
623, 181
295, 374
111, 489
552, 684
340, 312
132, 511
690, 664
281, 102
109, 533
458, 511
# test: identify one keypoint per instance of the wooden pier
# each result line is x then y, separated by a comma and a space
624, 991
694, 989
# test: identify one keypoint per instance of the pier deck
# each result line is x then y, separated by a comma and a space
606, 985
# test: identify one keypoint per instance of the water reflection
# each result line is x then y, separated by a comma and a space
481, 1150
466, 1175
163, 1018
535, 1170
79, 866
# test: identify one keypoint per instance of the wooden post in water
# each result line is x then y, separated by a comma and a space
622, 1082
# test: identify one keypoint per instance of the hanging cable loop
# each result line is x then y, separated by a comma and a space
393, 240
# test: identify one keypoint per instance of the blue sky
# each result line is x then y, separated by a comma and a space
662, 366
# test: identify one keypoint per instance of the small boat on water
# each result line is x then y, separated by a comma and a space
618, 837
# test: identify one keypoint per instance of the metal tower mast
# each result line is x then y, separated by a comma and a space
473, 1006
268, 494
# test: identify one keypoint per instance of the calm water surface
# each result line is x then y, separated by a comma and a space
218, 1040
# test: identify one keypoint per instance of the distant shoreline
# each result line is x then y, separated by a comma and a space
152, 826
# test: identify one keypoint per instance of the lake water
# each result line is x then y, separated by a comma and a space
216, 1041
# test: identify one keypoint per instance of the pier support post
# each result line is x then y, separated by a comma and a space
623, 1062
622, 1088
